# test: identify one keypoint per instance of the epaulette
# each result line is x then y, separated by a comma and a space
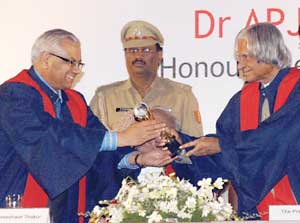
109, 87
177, 84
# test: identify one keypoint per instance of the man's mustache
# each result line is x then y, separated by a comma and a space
139, 61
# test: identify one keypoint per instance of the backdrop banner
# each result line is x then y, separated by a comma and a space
199, 39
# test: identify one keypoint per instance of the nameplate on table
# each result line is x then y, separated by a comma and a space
284, 212
24, 215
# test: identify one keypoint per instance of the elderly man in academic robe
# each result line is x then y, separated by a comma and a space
257, 139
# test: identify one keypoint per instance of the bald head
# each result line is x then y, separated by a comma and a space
164, 116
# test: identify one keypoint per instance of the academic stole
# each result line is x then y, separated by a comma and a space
249, 111
34, 195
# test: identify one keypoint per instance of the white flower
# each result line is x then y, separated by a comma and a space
226, 211
216, 207
154, 194
191, 202
205, 183
116, 215
219, 183
205, 210
187, 186
172, 193
182, 214
149, 173
206, 193
168, 206
97, 210
142, 213
145, 190
155, 217
159, 198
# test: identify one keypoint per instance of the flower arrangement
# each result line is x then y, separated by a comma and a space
159, 198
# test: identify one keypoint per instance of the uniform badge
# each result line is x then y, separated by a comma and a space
197, 116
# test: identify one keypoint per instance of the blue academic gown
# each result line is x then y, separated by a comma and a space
258, 159
254, 160
56, 152
109, 182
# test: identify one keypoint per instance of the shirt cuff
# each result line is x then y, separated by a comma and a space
109, 142
125, 164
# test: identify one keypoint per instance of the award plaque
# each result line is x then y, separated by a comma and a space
141, 113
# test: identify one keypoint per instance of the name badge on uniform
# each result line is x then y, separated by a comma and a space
123, 109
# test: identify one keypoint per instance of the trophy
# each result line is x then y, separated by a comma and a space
141, 113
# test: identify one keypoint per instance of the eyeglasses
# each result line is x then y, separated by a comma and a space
144, 50
72, 63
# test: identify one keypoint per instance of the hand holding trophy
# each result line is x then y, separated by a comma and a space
142, 112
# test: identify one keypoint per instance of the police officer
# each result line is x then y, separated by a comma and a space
142, 43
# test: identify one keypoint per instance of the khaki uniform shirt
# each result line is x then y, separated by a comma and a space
111, 102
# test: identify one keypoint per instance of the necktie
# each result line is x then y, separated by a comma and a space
57, 105
265, 110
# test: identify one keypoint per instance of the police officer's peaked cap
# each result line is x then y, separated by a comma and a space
140, 34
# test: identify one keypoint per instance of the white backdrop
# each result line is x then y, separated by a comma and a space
192, 32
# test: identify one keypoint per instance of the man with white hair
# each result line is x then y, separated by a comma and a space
258, 132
